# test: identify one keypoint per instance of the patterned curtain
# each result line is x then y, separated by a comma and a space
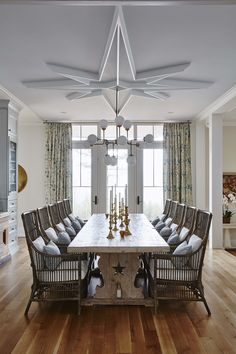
177, 175
58, 162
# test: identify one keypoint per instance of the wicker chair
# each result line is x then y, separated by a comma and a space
45, 223
179, 277
186, 228
171, 214
55, 277
164, 215
69, 213
56, 220
175, 223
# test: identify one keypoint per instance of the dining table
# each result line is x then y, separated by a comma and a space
119, 258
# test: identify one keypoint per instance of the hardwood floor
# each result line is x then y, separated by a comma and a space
177, 328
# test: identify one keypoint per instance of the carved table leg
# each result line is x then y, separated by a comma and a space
119, 269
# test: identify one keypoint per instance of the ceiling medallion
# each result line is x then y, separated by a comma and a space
155, 83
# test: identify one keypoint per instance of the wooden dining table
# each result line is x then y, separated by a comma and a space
119, 258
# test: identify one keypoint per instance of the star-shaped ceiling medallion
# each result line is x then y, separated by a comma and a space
118, 269
155, 83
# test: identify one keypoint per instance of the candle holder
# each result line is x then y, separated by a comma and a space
110, 235
122, 222
115, 222
120, 211
127, 231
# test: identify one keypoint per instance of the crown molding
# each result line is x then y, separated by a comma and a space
218, 104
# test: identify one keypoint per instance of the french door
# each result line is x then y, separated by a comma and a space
104, 177
92, 180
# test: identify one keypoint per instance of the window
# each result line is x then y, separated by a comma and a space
81, 167
152, 171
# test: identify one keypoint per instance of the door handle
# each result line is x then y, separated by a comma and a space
138, 200
96, 200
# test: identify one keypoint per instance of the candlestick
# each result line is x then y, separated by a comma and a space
127, 231
110, 235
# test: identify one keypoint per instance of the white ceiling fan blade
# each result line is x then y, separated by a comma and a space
158, 95
164, 70
67, 71
184, 84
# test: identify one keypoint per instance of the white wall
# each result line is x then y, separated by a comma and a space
229, 162
31, 151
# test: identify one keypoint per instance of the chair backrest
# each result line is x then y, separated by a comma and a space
202, 224
189, 217
54, 214
179, 214
44, 218
61, 210
67, 206
172, 210
167, 206
32, 232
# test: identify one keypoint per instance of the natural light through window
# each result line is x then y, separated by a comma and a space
152, 182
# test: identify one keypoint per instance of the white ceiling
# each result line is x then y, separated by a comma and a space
76, 36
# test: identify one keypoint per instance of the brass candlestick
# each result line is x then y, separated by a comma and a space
120, 211
122, 222
115, 222
127, 231
110, 235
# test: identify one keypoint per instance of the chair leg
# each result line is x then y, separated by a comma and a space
207, 307
79, 307
201, 290
28, 307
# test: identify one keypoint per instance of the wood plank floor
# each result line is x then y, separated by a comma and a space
177, 328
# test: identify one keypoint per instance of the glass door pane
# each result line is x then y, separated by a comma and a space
82, 182
152, 182
117, 176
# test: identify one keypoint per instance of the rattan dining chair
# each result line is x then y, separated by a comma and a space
164, 215
168, 220
179, 276
45, 224
55, 277
57, 221
183, 231
175, 223
68, 209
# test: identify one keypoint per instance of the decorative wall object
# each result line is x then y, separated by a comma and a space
22, 178
229, 182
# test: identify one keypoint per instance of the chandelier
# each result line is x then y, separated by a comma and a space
121, 140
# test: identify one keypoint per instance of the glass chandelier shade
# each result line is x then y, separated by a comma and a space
120, 140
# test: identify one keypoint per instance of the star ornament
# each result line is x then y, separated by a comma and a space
118, 269
155, 83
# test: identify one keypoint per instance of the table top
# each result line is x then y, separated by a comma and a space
93, 237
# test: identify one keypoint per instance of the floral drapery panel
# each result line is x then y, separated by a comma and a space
58, 161
177, 175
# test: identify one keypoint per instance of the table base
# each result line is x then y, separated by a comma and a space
119, 271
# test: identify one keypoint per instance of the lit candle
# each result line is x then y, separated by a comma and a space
126, 196
119, 198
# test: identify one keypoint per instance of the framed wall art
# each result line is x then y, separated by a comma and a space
229, 182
